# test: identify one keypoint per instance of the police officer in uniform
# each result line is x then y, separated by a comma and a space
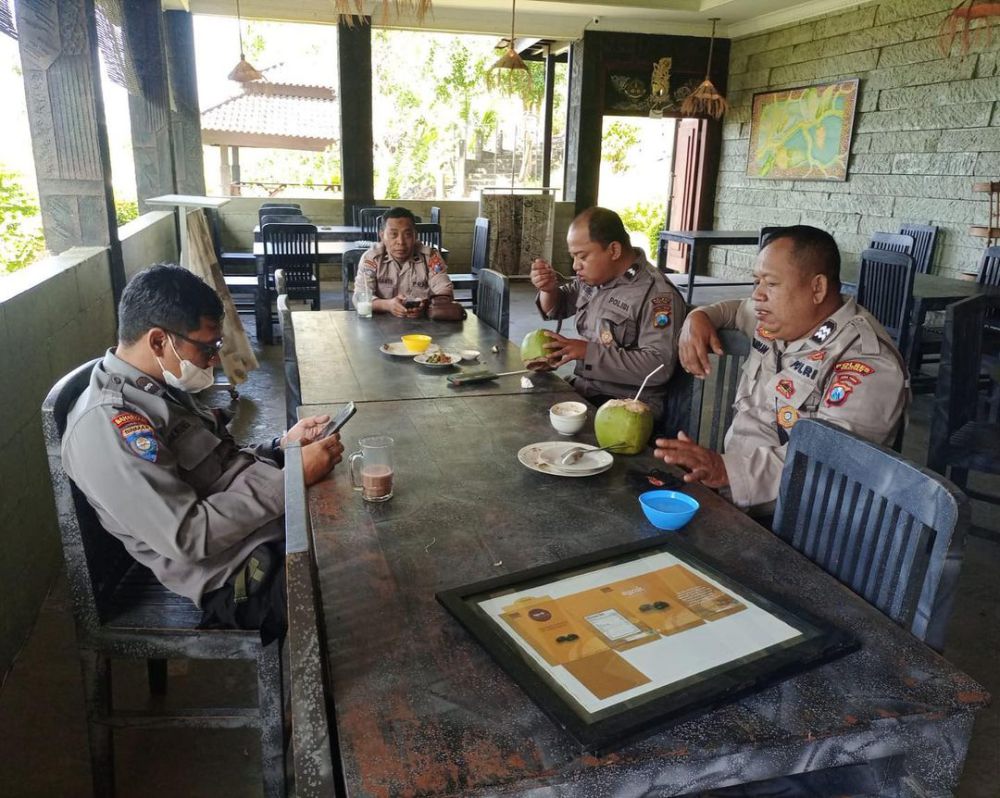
162, 471
815, 354
399, 270
628, 314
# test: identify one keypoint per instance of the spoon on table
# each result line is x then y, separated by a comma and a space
571, 456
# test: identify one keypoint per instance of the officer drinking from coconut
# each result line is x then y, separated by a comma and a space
815, 354
401, 273
628, 315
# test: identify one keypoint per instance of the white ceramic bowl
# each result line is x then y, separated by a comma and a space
568, 418
469, 354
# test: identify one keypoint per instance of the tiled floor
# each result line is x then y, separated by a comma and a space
43, 746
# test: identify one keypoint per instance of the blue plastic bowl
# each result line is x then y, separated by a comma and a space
668, 509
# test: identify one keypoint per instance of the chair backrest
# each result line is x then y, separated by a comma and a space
958, 376
294, 248
891, 531
429, 233
368, 221
267, 218
885, 289
293, 385
765, 232
95, 559
280, 205
435, 214
493, 300
924, 240
893, 242
989, 267
480, 245
277, 210
685, 402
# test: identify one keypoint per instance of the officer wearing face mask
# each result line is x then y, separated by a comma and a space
164, 474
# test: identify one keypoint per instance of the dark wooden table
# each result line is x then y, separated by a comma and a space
696, 241
339, 359
421, 709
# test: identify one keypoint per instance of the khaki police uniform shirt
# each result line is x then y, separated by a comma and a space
631, 324
424, 275
848, 372
168, 480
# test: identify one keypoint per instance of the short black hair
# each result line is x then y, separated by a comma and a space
166, 296
814, 249
605, 226
399, 212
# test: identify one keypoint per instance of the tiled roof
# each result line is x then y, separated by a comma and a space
307, 72
275, 115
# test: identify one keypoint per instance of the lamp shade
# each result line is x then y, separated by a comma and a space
243, 72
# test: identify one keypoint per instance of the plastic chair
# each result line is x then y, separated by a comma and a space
924, 240
493, 300
480, 260
294, 248
893, 242
123, 612
885, 289
889, 530
962, 438
684, 406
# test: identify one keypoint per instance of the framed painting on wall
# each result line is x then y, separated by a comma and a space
802, 133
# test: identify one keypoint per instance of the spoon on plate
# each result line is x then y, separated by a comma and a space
573, 455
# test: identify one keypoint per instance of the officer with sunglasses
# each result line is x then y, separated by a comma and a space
162, 471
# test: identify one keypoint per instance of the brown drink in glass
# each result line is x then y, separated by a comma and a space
372, 468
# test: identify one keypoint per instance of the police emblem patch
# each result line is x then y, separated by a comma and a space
786, 388
606, 337
436, 264
826, 329
787, 416
819, 356
767, 336
138, 435
841, 389
662, 307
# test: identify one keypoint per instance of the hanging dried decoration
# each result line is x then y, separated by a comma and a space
960, 21
243, 72
509, 73
351, 11
706, 100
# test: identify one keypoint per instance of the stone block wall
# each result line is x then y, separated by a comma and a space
927, 128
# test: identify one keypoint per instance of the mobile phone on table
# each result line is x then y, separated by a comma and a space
339, 420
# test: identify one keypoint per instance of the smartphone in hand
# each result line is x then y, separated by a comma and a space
339, 420
409, 304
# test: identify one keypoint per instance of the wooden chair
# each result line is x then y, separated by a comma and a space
765, 233
893, 242
123, 612
277, 210
312, 753
296, 205
294, 248
435, 214
480, 261
493, 300
368, 219
963, 436
885, 289
684, 405
891, 531
429, 233
924, 240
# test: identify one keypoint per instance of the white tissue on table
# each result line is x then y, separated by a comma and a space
527, 383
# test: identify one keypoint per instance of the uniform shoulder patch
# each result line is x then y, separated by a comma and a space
825, 330
855, 366
662, 310
436, 263
137, 434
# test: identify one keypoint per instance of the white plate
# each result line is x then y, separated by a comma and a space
396, 349
535, 455
588, 463
422, 360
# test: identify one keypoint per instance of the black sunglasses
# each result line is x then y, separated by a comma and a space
209, 349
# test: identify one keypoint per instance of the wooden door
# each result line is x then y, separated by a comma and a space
685, 193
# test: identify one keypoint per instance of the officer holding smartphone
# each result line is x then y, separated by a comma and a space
403, 274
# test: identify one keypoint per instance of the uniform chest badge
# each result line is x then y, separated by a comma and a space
765, 334
818, 356
606, 337
826, 329
662, 308
787, 416
786, 388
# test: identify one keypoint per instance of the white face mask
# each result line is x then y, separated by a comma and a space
192, 379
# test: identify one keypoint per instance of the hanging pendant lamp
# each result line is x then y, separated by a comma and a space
243, 72
509, 74
706, 100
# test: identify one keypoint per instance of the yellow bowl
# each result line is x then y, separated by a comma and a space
416, 343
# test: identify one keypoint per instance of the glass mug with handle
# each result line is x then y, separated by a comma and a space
372, 468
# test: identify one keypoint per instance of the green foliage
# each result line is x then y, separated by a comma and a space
619, 138
126, 211
650, 219
21, 239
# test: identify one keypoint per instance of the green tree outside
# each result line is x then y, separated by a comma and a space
21, 239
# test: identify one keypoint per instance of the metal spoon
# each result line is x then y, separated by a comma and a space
573, 455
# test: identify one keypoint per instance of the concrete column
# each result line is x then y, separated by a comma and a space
189, 163
357, 161
550, 83
62, 85
225, 173
235, 190
149, 110
583, 129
